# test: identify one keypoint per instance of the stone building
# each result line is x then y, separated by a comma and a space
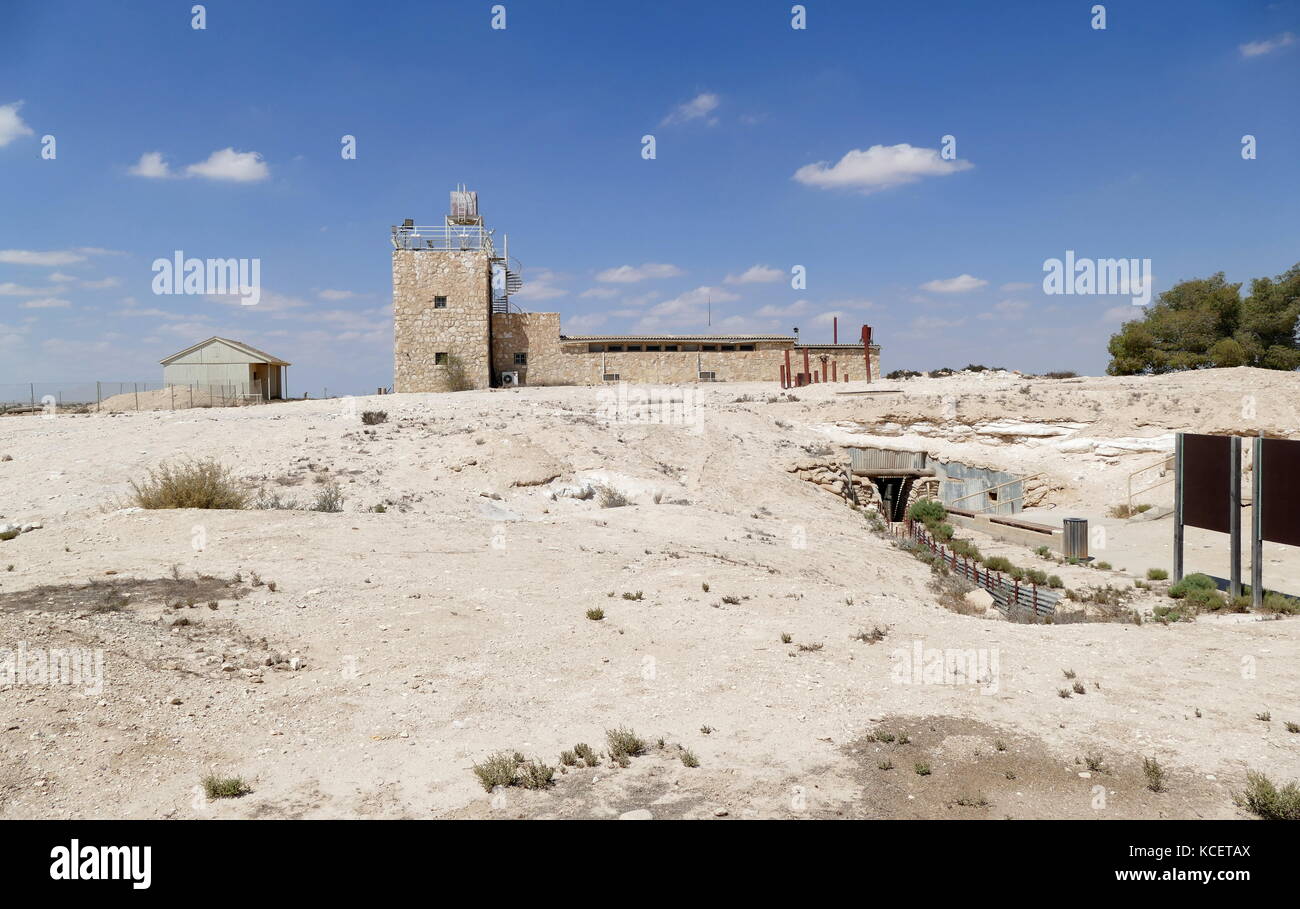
454, 328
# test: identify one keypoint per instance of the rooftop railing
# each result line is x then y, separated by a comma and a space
444, 236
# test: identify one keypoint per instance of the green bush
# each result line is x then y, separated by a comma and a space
998, 563
1190, 583
1054, 581
965, 548
1277, 603
927, 511
1263, 799
1157, 574
1036, 576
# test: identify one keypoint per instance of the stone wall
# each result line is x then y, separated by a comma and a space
480, 345
552, 361
460, 330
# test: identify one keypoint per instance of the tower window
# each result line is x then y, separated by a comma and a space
440, 358
521, 359
439, 302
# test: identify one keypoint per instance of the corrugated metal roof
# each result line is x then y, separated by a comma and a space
257, 356
677, 338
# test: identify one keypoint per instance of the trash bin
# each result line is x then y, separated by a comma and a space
1076, 538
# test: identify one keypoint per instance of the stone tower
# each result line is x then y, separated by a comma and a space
442, 301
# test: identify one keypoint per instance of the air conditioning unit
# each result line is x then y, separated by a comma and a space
509, 379
611, 377
708, 377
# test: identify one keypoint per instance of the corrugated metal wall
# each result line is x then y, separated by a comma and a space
886, 459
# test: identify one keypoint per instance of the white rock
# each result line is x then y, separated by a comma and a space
640, 814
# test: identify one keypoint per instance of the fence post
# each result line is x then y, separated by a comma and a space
136, 387
97, 397
33, 390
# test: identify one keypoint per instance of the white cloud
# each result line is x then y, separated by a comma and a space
879, 167
228, 164
583, 324
757, 274
687, 308
33, 257
1251, 48
925, 326
152, 165
1013, 286
223, 164
12, 125
10, 289
629, 274
958, 285
1006, 309
47, 303
797, 308
336, 294
701, 105
540, 286
600, 293
1117, 314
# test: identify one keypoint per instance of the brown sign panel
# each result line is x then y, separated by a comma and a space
1280, 499
1207, 481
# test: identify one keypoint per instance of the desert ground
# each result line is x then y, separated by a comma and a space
360, 663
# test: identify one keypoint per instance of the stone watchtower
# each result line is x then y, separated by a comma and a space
445, 283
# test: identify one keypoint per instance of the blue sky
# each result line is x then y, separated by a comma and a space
225, 142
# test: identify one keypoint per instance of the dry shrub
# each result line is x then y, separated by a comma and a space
189, 483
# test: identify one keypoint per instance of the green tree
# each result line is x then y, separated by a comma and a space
1205, 322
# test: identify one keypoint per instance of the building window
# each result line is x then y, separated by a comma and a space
440, 358
728, 346
615, 348
634, 347
710, 347
521, 359
670, 347
691, 348
650, 347
439, 302
595, 348
747, 347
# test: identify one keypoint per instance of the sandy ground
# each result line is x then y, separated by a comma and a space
399, 648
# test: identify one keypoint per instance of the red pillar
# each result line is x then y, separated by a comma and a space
866, 348
835, 327
807, 369
835, 371
782, 369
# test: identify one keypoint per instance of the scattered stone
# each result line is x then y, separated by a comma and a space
640, 814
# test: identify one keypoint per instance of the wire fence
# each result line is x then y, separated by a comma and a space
121, 397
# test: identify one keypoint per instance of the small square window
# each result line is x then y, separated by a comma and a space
521, 359
440, 358
439, 302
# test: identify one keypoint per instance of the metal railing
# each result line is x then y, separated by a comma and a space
1165, 465
444, 236
1010, 596
45, 398
999, 504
